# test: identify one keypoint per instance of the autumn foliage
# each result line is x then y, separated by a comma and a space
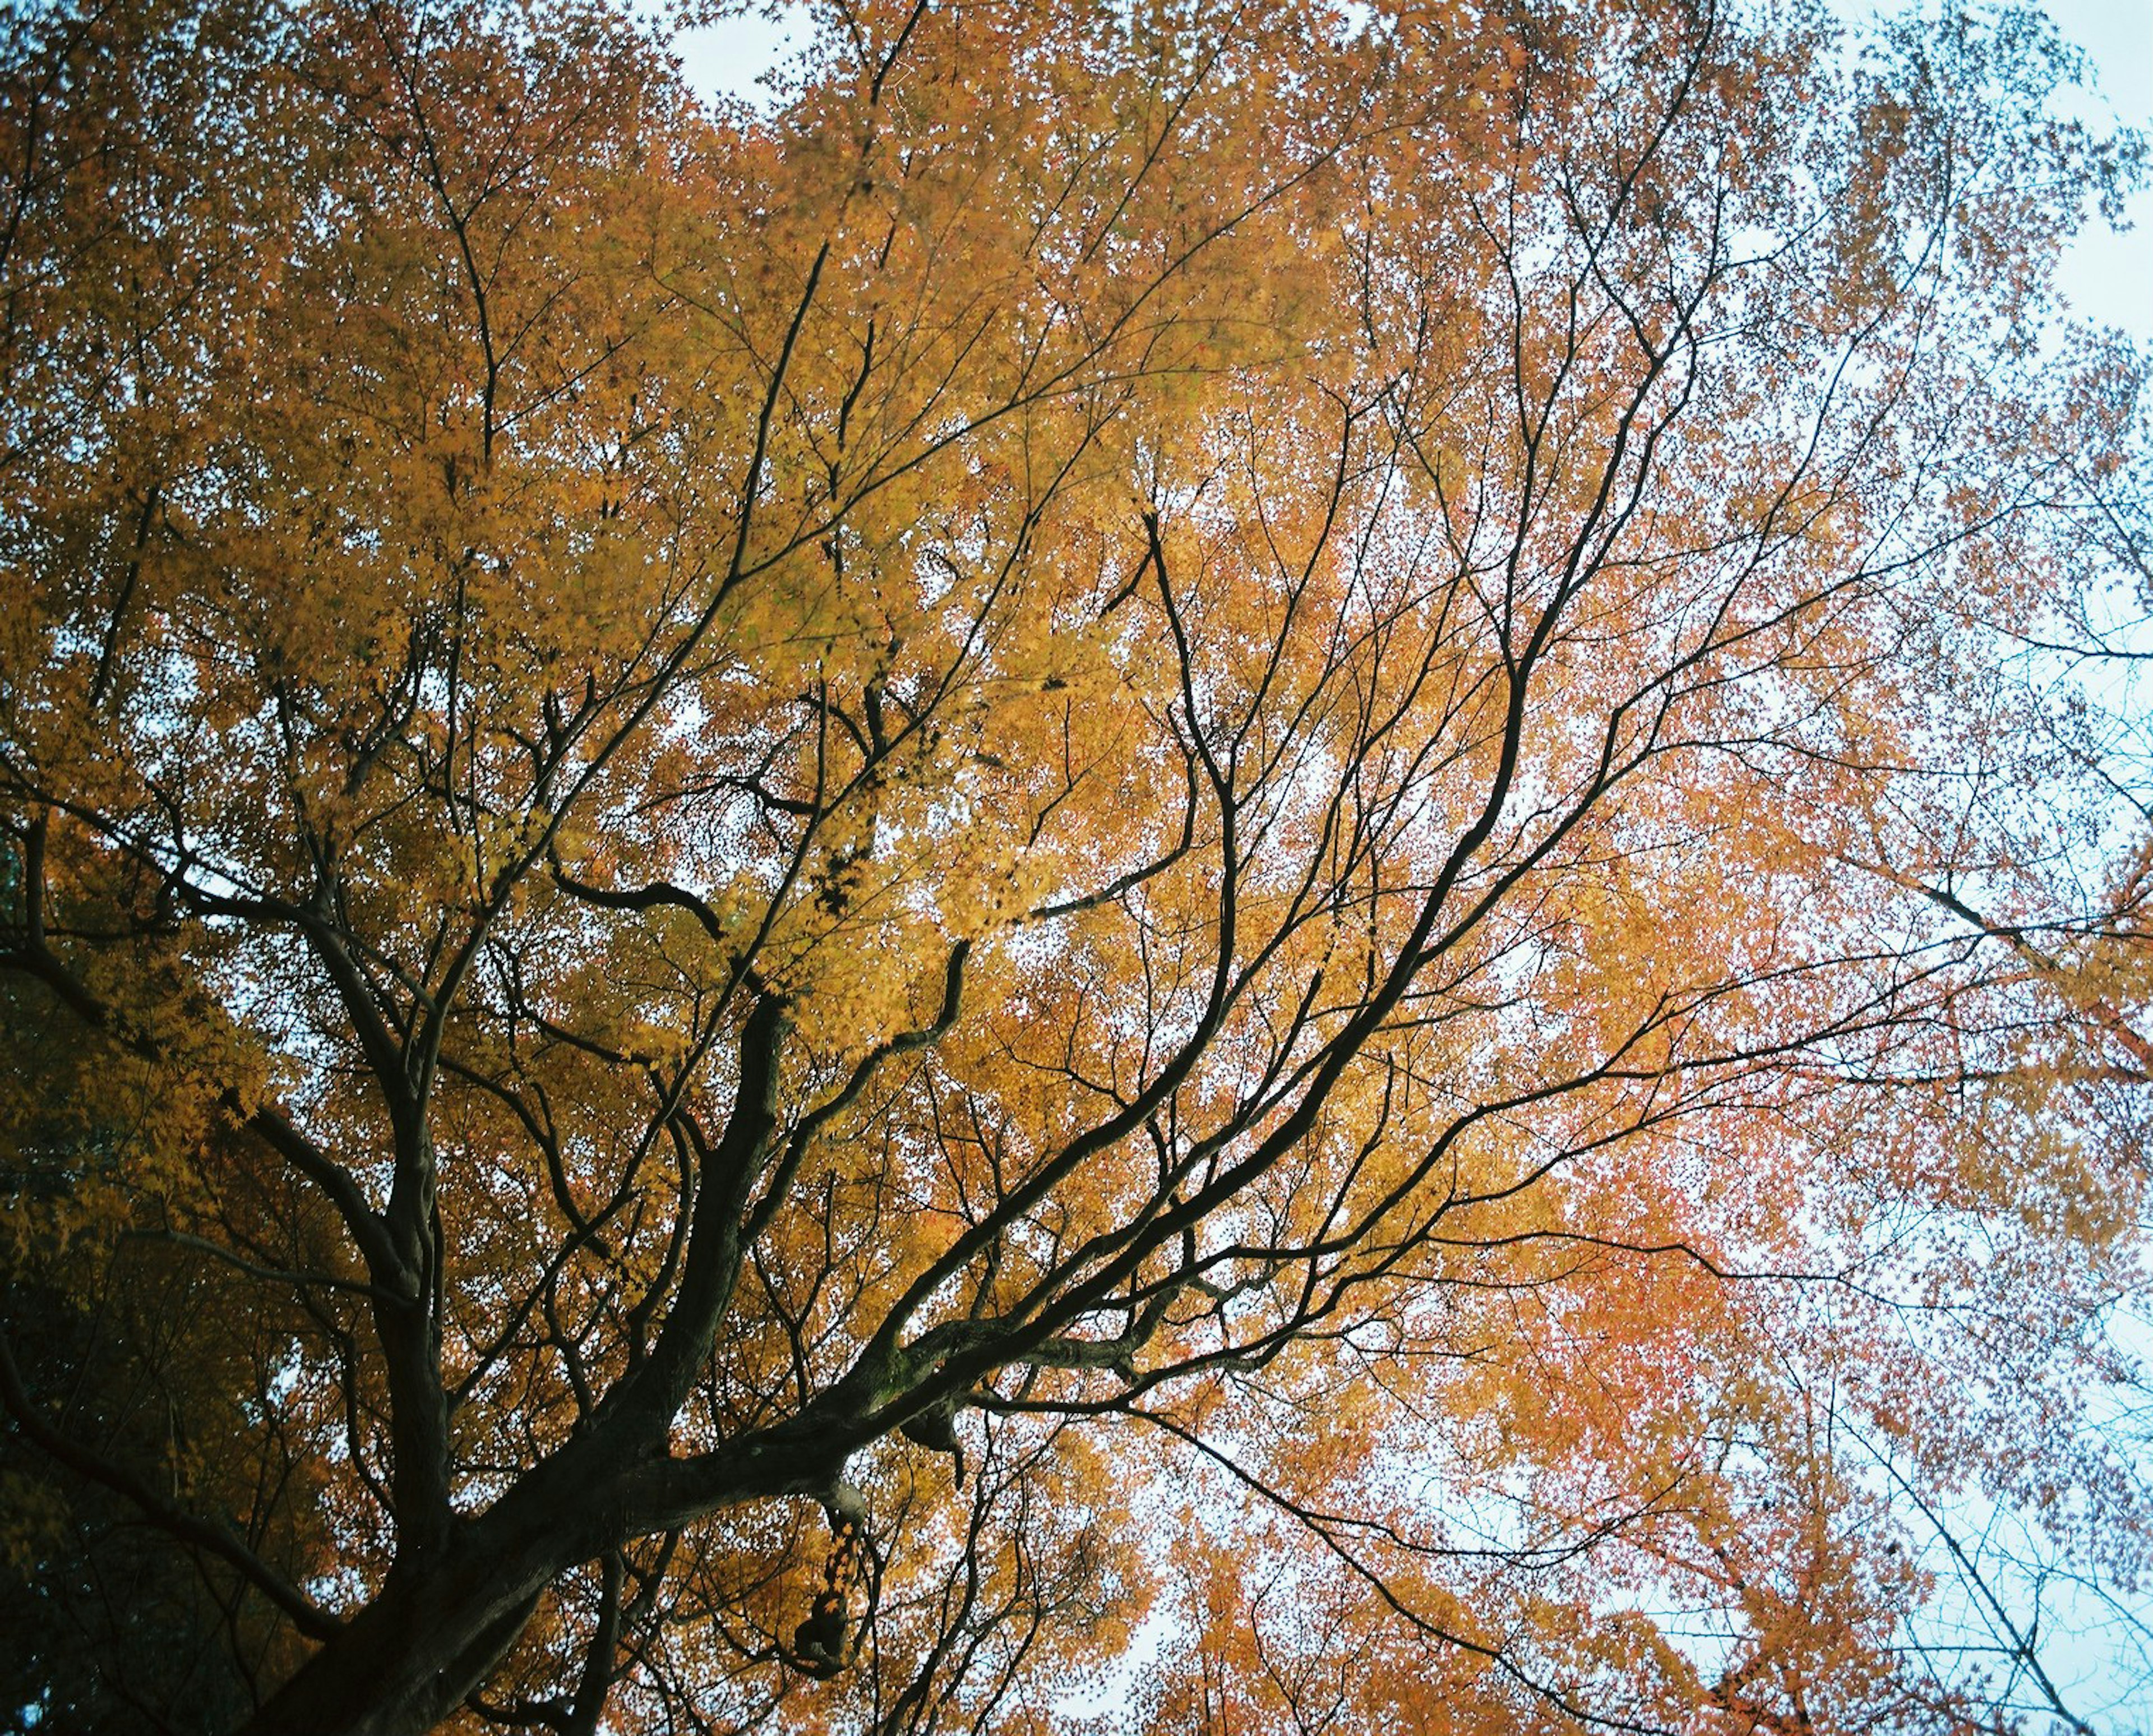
1166, 867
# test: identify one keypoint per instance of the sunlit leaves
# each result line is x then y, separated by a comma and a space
1260, 764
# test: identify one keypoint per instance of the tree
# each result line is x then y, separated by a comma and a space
1154, 831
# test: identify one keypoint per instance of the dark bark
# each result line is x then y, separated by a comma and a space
412, 1655
420, 1647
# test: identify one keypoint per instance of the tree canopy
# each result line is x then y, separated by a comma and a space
1205, 866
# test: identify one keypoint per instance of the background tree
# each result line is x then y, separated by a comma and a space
1155, 832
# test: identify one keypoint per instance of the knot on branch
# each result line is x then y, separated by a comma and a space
935, 1428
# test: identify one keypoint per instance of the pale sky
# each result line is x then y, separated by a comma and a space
2109, 276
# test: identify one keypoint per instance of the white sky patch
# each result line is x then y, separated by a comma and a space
2108, 273
736, 57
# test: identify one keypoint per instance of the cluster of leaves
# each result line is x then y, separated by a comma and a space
1227, 820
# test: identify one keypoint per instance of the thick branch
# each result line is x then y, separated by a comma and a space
200, 1533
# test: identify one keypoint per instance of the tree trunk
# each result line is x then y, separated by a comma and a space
449, 1611
407, 1660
